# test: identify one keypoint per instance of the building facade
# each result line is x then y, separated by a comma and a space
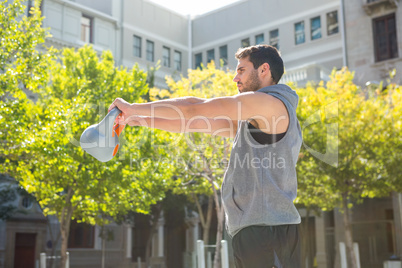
314, 37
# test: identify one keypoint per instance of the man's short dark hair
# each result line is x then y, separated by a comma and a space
261, 54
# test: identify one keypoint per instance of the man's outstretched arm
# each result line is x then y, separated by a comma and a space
215, 127
245, 106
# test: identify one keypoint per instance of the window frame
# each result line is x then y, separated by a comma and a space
377, 38
150, 53
210, 55
259, 36
301, 33
90, 28
245, 42
88, 235
313, 28
137, 48
223, 54
177, 63
198, 60
166, 58
271, 38
332, 32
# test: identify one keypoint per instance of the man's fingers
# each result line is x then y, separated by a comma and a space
112, 105
116, 103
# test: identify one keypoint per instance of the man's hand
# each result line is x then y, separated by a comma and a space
127, 112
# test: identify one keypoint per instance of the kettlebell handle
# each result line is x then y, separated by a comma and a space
112, 115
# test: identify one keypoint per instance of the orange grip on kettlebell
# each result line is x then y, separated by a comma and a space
115, 150
118, 129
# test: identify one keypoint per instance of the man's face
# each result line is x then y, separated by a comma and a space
247, 77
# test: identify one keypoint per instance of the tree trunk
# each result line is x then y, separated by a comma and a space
207, 226
219, 235
52, 263
65, 221
205, 221
348, 233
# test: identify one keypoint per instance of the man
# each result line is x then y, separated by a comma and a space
260, 182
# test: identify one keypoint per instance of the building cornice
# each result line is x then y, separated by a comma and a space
88, 11
269, 25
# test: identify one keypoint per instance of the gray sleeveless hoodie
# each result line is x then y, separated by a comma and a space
260, 183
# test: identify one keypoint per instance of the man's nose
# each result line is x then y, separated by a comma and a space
236, 78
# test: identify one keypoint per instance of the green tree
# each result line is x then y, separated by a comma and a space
22, 71
202, 159
343, 130
391, 151
66, 181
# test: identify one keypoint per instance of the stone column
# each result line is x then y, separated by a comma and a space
321, 255
129, 241
397, 207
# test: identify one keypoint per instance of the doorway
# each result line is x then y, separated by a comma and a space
24, 252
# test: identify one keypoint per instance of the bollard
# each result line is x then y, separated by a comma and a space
42, 260
224, 254
200, 254
139, 262
68, 260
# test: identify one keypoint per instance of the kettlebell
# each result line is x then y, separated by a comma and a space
102, 140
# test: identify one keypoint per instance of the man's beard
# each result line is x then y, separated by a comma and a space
253, 83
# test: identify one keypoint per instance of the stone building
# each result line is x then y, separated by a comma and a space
314, 37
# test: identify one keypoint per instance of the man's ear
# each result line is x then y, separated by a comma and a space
265, 68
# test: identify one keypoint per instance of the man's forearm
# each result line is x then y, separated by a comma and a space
172, 109
220, 127
175, 126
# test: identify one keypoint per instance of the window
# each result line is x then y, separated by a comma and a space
137, 46
29, 6
210, 55
274, 38
332, 23
150, 50
26, 202
299, 33
166, 56
259, 39
245, 42
81, 235
223, 54
389, 216
315, 28
177, 61
86, 29
198, 60
385, 39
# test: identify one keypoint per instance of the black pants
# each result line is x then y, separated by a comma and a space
267, 247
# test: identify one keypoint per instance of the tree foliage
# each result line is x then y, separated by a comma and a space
350, 136
201, 159
22, 71
66, 181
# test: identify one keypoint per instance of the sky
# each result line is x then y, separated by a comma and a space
193, 7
